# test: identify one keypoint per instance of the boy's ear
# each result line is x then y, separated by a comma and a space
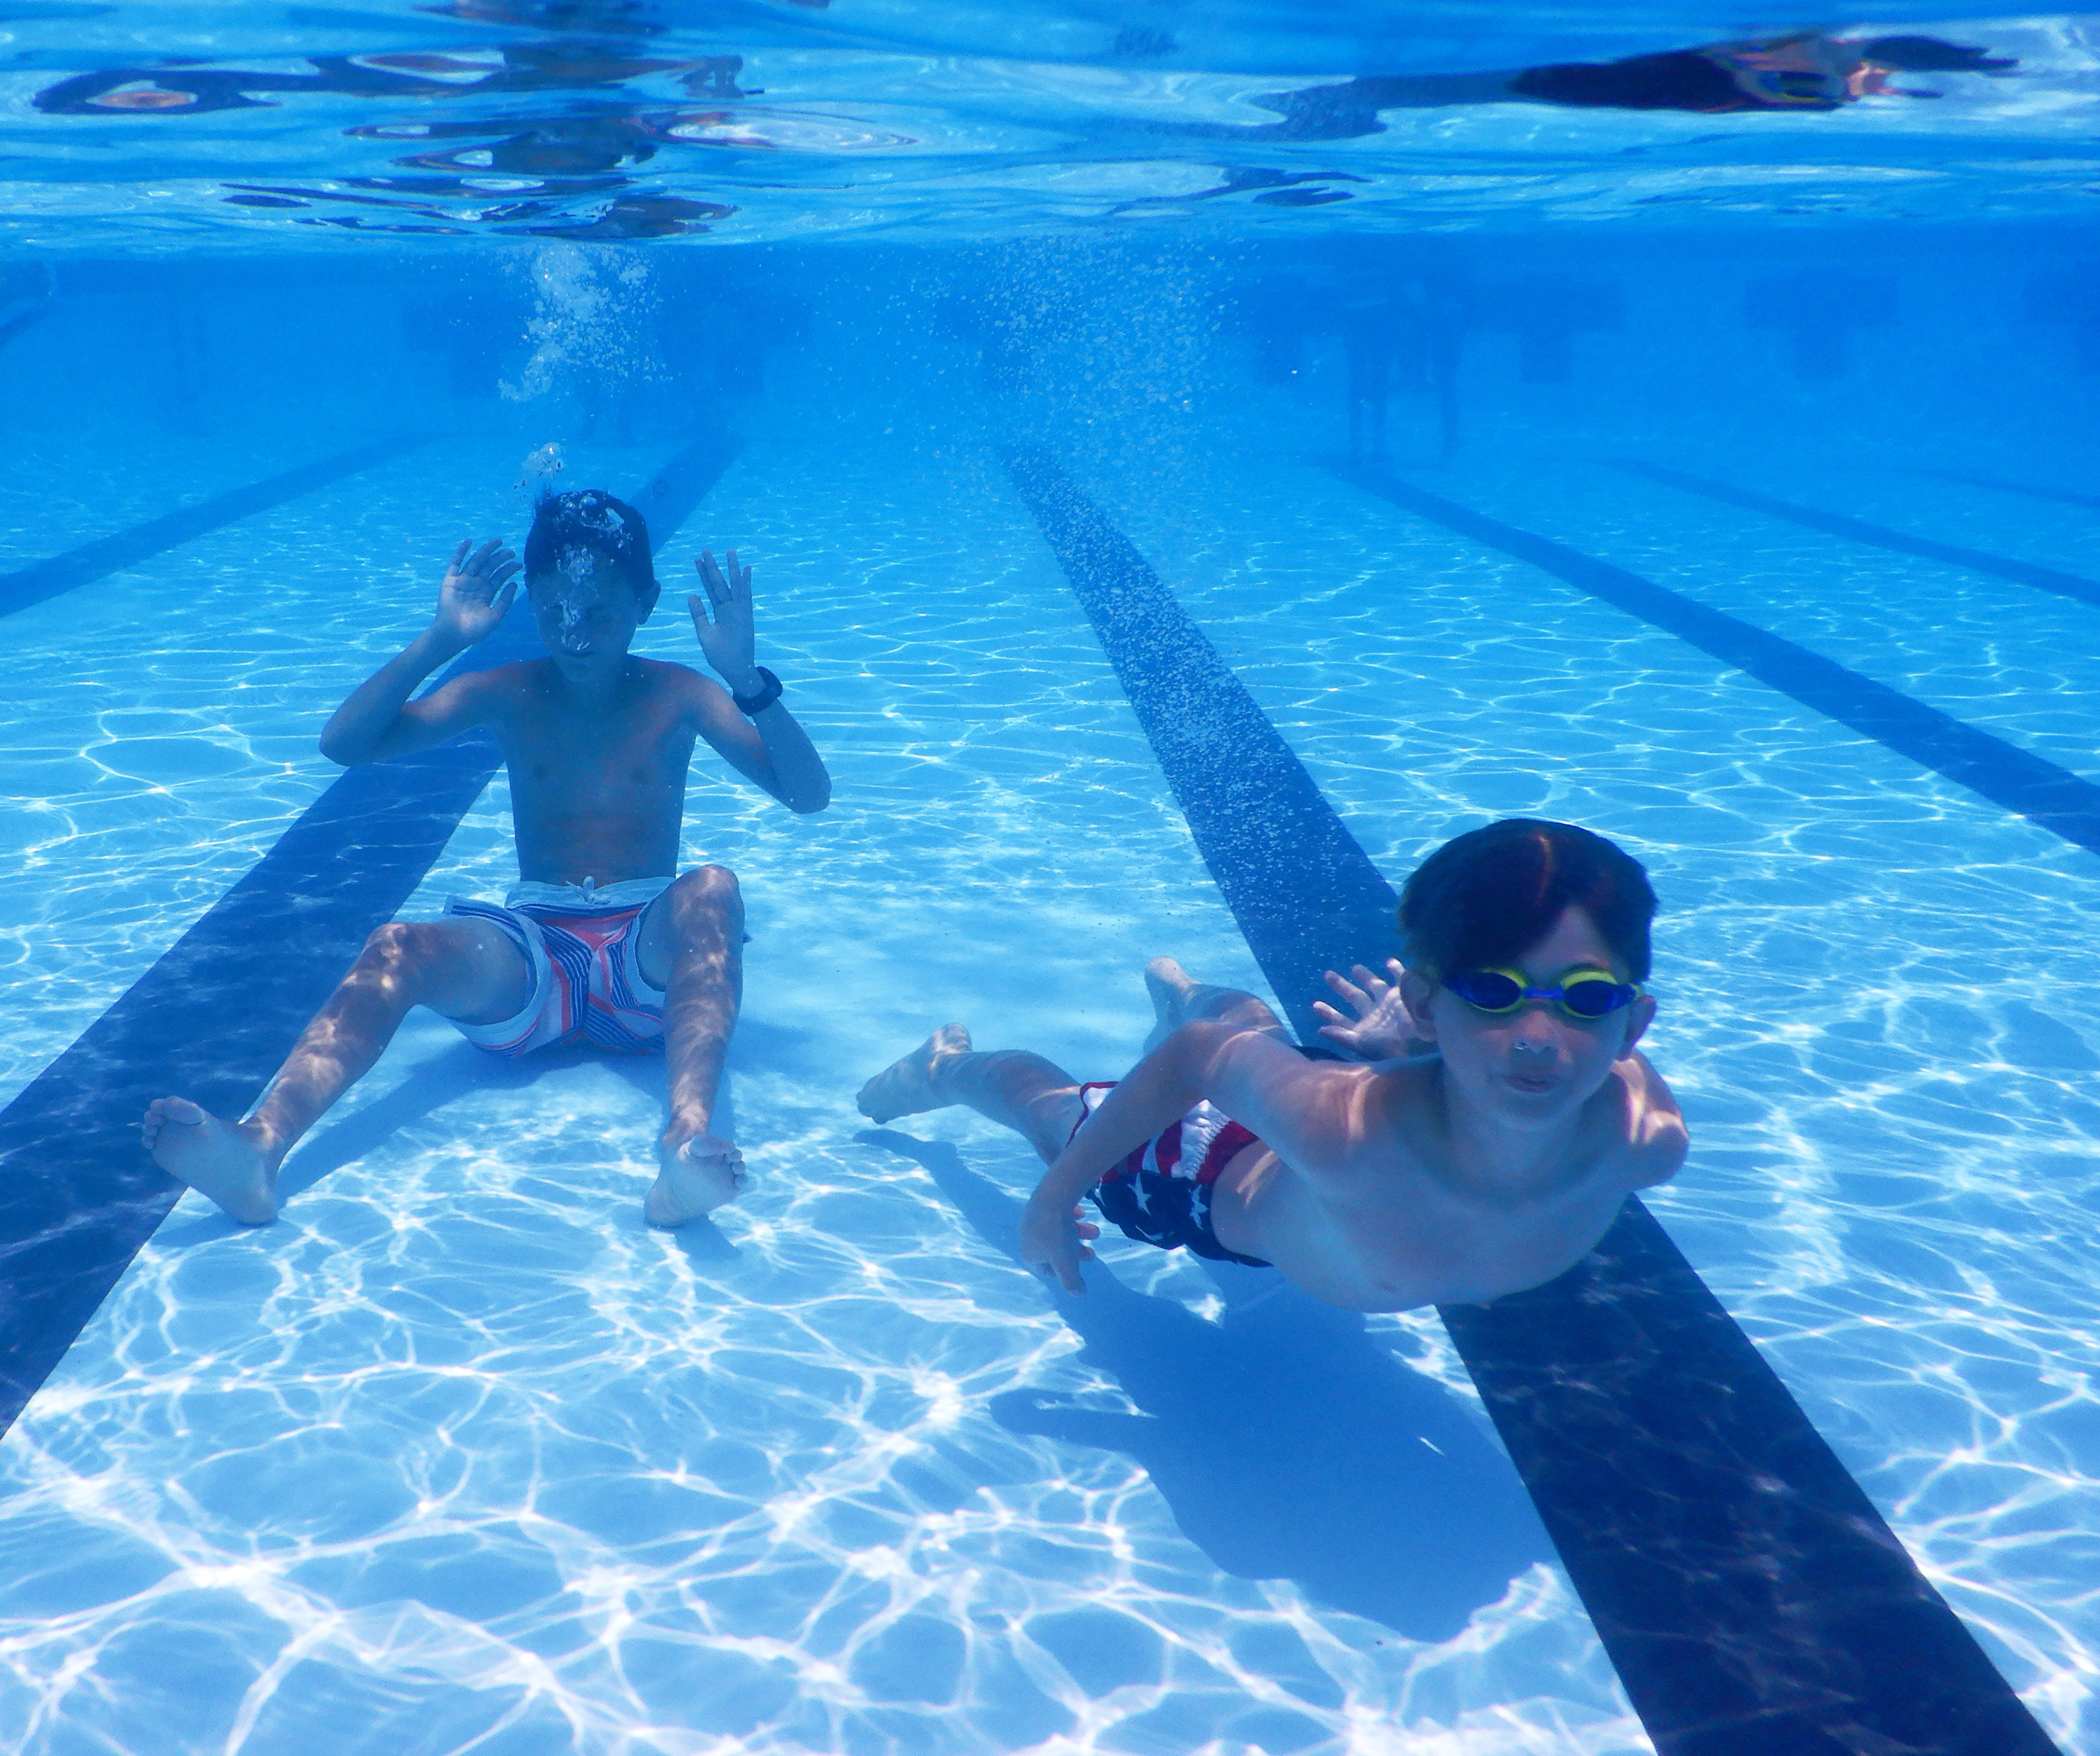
1414, 993
1639, 1016
648, 599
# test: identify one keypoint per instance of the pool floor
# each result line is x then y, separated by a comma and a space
461, 1453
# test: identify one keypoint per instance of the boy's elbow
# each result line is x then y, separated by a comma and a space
342, 754
1662, 1154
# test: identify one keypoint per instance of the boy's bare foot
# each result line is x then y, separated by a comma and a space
1169, 986
906, 1086
222, 1160
700, 1174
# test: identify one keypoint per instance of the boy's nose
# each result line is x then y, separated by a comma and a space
1532, 1029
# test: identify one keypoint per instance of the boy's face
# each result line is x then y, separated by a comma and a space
586, 612
1533, 1068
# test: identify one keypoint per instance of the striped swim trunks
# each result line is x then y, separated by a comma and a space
583, 942
1160, 1194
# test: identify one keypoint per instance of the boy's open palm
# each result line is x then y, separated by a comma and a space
721, 620
1382, 1028
476, 592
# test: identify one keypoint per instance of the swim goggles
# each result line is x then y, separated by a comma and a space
1586, 994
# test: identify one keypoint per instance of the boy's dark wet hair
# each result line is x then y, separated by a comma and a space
592, 521
1486, 898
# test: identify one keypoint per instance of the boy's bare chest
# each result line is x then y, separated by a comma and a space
1396, 1235
554, 755
1481, 1242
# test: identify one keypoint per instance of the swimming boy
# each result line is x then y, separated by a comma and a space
1491, 1165
603, 941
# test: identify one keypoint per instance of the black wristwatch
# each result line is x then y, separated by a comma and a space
769, 693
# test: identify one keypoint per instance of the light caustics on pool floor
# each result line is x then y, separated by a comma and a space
459, 1449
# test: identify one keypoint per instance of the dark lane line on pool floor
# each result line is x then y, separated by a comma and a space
2016, 780
99, 559
219, 1011
1878, 535
1750, 1594
2062, 496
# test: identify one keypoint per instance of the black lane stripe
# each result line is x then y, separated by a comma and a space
215, 1015
1880, 536
2063, 496
1257, 818
99, 559
1752, 1599
2030, 786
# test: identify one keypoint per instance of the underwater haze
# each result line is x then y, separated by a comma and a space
1195, 461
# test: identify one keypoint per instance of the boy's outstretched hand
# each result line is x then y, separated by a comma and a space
476, 593
1054, 1244
726, 641
1383, 1029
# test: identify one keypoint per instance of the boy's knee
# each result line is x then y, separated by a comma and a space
403, 947
711, 890
392, 944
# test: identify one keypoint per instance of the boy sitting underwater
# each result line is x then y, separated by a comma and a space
603, 941
1491, 1166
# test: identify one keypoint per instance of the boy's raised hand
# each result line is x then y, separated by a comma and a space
1382, 1028
476, 592
727, 640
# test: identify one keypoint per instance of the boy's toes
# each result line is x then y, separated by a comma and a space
698, 1175
164, 1110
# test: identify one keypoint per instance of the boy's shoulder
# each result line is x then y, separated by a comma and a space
669, 674
667, 679
1649, 1138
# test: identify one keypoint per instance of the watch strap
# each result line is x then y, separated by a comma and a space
768, 692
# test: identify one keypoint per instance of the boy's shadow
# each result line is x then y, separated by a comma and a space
454, 1072
1288, 1441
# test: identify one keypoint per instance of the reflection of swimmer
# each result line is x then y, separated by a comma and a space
1277, 188
635, 216
625, 218
557, 66
626, 18
1804, 70
550, 146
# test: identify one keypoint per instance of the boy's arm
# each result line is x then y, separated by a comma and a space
769, 748
1159, 1089
1656, 1138
379, 720
1257, 1081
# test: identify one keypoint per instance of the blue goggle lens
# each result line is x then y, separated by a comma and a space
1491, 990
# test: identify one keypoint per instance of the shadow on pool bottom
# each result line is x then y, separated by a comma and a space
1288, 1441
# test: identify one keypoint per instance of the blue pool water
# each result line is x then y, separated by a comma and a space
1741, 508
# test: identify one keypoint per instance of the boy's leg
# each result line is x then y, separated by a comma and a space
1179, 999
468, 970
691, 946
1034, 1097
1023, 1092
